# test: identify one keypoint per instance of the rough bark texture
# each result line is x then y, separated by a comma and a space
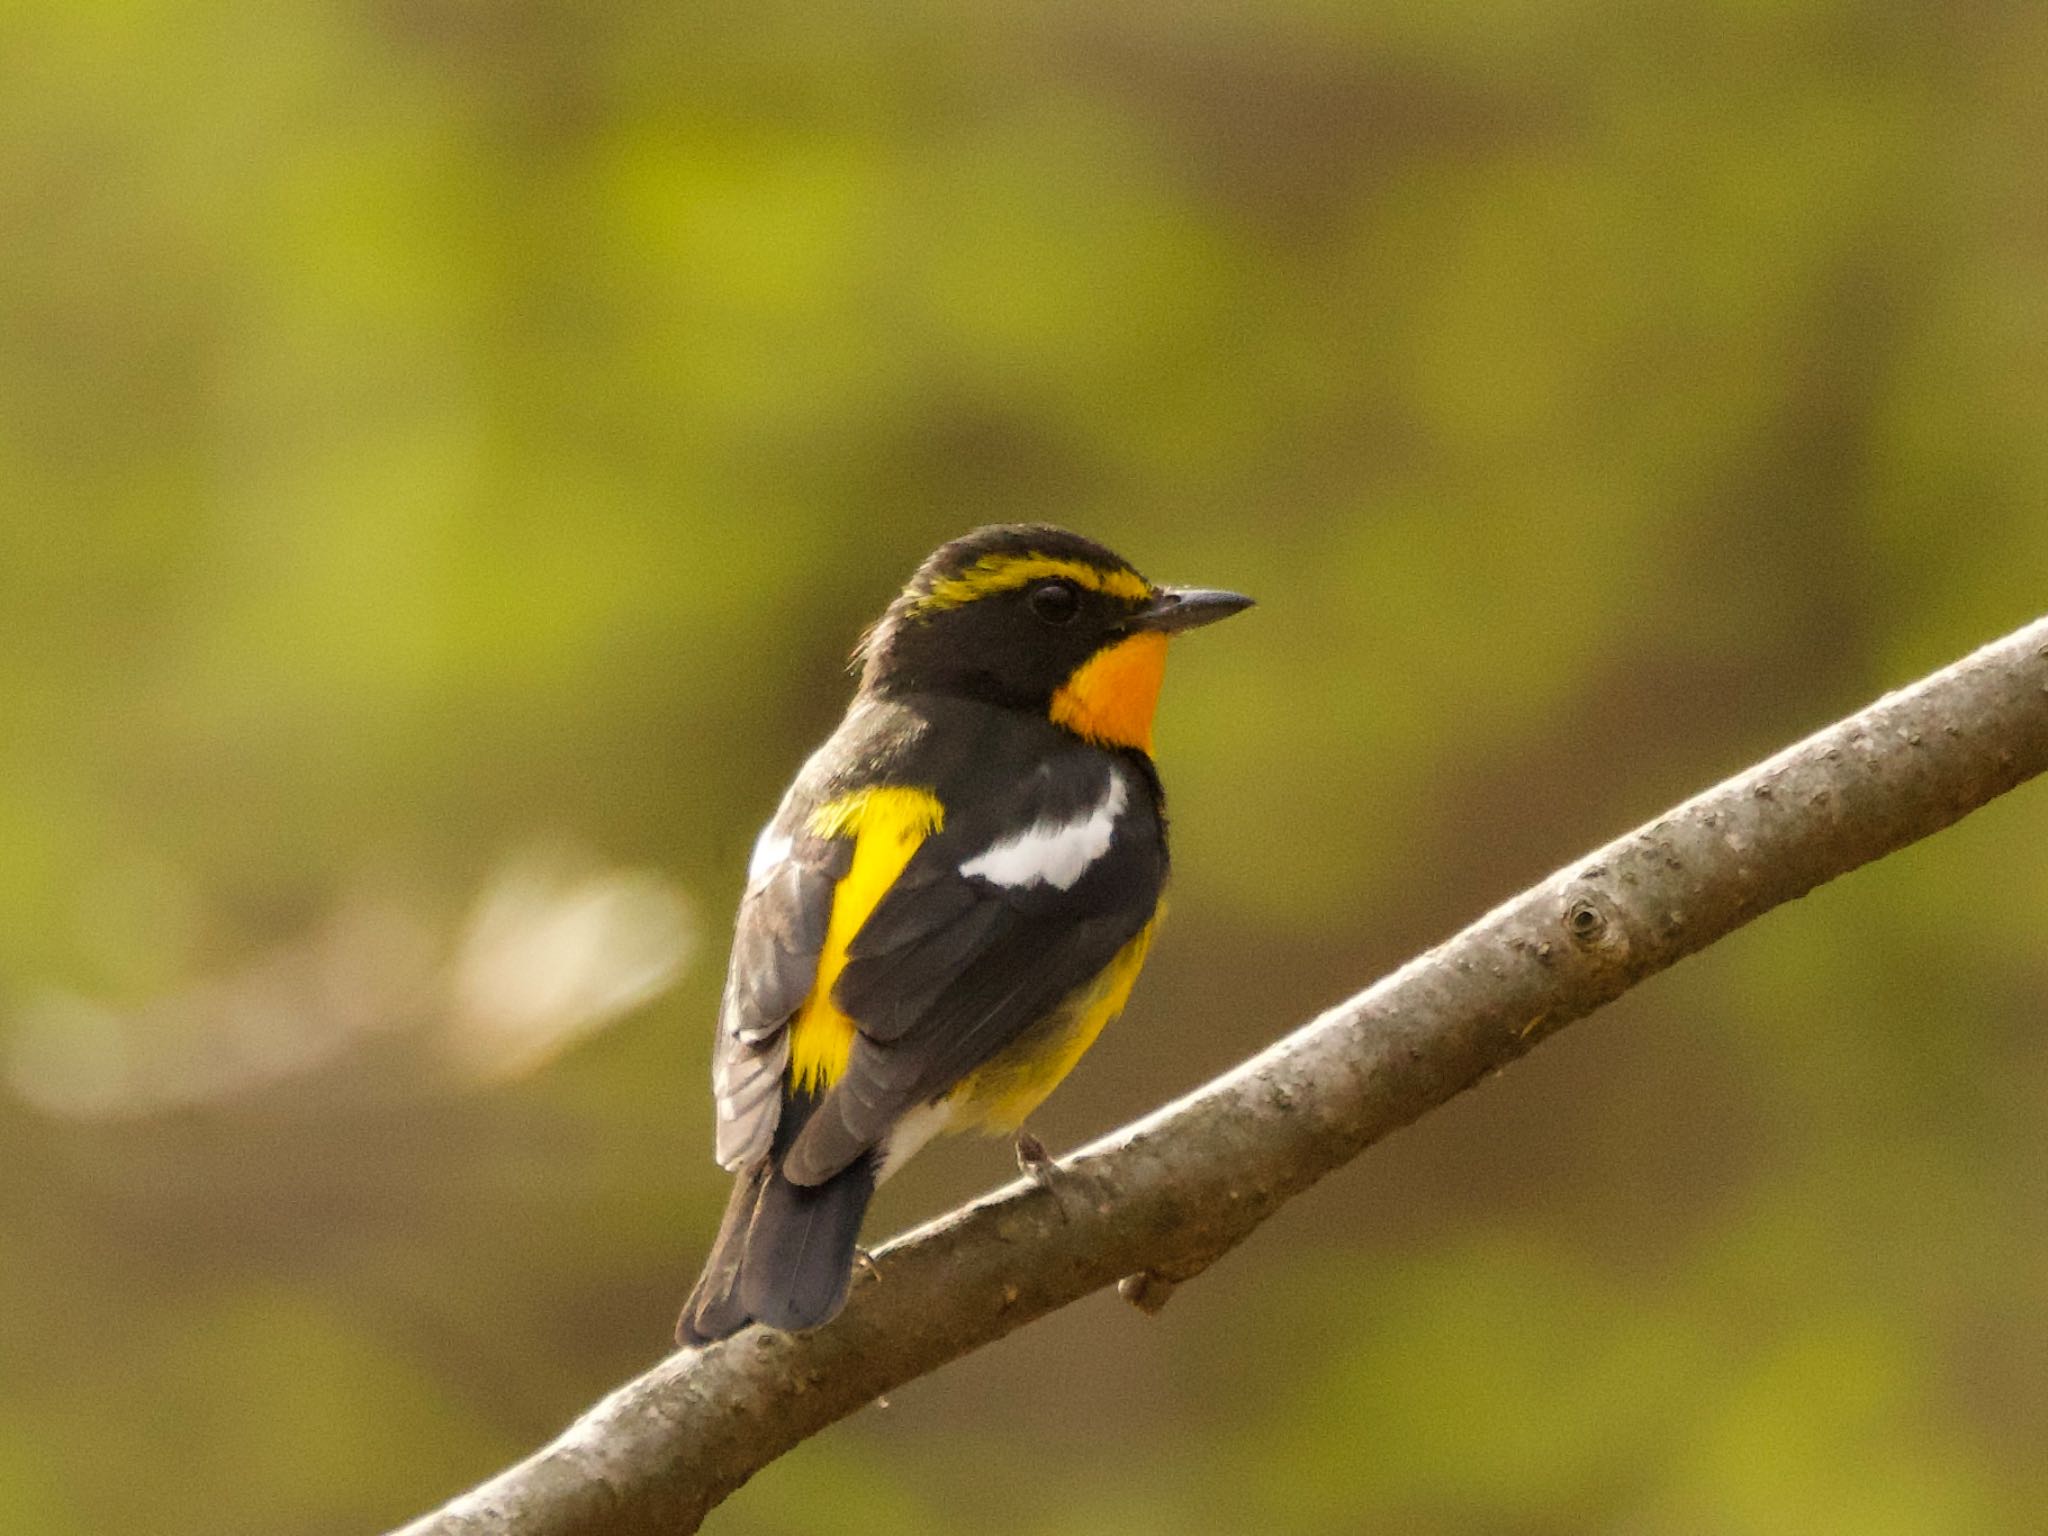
1157, 1202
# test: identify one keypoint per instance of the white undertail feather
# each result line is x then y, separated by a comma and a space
909, 1133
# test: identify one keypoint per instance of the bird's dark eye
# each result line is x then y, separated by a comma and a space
1056, 602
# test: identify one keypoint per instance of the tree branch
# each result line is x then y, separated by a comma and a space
1162, 1199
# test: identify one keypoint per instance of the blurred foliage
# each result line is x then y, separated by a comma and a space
445, 449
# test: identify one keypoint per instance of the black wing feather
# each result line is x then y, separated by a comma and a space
777, 938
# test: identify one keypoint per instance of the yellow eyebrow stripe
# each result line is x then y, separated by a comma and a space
1004, 573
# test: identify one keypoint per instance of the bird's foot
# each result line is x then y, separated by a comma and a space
1033, 1161
1037, 1165
864, 1263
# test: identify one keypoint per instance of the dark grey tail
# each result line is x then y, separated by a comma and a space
714, 1309
783, 1255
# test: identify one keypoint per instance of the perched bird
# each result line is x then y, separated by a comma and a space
953, 899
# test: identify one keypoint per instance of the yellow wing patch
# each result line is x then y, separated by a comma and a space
1003, 573
887, 823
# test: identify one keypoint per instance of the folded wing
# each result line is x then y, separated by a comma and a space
1022, 899
777, 938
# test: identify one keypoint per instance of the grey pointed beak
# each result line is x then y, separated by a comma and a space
1178, 608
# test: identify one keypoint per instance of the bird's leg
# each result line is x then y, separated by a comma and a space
1037, 1165
1033, 1161
864, 1263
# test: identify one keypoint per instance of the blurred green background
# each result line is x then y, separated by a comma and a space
448, 446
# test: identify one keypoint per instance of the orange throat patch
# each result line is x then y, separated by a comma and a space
1112, 695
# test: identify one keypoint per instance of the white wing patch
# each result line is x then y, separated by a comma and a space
768, 852
1053, 852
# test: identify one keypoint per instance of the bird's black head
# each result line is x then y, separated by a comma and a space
1033, 617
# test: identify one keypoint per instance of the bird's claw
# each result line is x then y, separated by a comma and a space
1033, 1161
1037, 1165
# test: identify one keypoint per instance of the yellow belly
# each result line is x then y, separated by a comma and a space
1000, 1094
